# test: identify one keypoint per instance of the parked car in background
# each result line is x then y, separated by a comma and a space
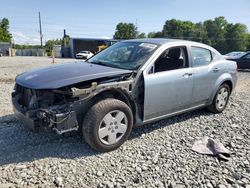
128, 84
84, 55
1, 53
233, 54
242, 60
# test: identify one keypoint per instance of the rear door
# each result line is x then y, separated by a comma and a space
205, 74
168, 91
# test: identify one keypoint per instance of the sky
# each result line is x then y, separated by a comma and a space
98, 18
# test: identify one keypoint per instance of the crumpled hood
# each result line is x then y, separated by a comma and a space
61, 75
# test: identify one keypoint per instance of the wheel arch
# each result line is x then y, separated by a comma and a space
230, 84
118, 94
225, 78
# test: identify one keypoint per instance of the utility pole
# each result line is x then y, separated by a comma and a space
64, 38
136, 28
41, 34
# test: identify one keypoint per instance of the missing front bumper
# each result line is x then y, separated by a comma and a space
61, 121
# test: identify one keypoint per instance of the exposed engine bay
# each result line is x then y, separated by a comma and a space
63, 109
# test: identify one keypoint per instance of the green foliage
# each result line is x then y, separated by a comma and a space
142, 35
20, 46
216, 31
155, 35
50, 43
236, 37
66, 41
200, 34
248, 39
220, 34
126, 31
178, 29
5, 35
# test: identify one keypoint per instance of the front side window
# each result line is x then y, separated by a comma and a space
200, 56
171, 59
125, 55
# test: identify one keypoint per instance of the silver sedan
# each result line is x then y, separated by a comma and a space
128, 84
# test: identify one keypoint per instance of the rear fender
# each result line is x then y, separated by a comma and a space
223, 78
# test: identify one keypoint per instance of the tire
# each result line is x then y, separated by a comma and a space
215, 107
110, 117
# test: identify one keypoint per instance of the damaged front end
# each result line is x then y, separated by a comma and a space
61, 109
41, 109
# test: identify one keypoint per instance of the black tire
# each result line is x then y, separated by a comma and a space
94, 118
213, 107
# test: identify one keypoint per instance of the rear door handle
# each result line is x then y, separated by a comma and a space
216, 69
187, 75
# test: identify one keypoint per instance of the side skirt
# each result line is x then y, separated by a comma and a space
173, 114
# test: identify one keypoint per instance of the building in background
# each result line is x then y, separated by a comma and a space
28, 52
93, 45
5, 48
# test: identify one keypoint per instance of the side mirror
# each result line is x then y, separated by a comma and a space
152, 70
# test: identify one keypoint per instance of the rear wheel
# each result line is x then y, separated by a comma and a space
220, 100
107, 125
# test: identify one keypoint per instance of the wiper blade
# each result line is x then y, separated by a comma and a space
104, 64
97, 62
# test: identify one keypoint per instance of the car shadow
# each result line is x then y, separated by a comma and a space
147, 128
244, 70
17, 144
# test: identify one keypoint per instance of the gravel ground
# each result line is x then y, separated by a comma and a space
156, 155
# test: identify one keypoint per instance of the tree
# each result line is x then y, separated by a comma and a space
155, 35
218, 33
50, 43
5, 35
236, 37
216, 30
125, 31
142, 35
248, 39
66, 41
200, 34
23, 46
178, 29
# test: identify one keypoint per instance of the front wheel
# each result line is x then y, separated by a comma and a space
107, 125
220, 100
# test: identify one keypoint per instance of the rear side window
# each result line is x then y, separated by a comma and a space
200, 56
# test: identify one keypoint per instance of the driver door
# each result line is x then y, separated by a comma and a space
168, 91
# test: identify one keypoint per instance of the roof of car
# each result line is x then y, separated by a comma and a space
161, 41
156, 40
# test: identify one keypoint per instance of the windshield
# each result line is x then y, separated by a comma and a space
125, 55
